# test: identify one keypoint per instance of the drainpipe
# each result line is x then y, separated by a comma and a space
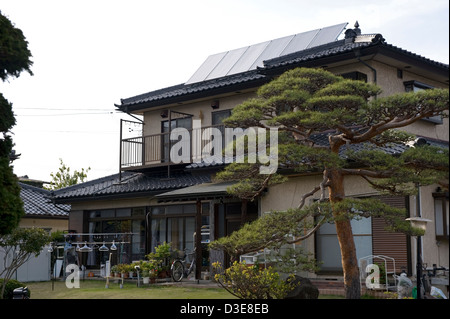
374, 71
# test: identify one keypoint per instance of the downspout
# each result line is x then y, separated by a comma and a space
374, 71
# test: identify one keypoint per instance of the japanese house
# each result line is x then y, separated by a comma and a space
157, 200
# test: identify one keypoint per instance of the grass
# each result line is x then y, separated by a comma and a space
95, 289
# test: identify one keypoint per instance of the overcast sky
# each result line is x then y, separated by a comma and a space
89, 54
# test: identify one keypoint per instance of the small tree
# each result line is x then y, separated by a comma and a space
64, 178
18, 248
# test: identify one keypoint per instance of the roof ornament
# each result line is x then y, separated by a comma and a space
351, 34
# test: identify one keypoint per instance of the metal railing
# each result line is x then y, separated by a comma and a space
154, 150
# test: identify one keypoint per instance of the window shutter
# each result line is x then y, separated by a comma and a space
391, 244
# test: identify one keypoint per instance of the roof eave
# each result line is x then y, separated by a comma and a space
183, 98
98, 197
379, 48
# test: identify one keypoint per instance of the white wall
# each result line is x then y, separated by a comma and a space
35, 269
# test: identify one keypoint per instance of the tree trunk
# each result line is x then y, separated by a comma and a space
345, 237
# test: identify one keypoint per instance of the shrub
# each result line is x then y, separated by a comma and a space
10, 286
251, 282
160, 259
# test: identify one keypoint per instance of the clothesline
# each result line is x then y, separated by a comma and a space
97, 234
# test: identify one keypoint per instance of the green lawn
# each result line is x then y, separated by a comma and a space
95, 289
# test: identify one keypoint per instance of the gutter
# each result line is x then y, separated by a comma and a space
358, 57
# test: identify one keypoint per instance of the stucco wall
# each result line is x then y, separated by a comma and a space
53, 224
433, 251
200, 110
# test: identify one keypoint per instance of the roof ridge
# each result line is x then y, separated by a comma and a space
89, 183
34, 188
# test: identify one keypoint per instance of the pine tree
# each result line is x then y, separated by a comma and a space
307, 103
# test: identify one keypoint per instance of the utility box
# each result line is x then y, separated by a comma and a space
20, 293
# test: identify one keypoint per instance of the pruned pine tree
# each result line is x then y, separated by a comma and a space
307, 105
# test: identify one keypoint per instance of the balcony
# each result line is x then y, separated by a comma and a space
149, 151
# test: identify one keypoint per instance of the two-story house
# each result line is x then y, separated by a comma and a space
156, 199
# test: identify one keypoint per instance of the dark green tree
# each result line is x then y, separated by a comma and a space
307, 103
14, 59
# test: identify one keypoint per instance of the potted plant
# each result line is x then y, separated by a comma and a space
161, 259
153, 273
123, 269
131, 270
145, 276
115, 270
145, 269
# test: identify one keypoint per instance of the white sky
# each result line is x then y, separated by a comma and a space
89, 54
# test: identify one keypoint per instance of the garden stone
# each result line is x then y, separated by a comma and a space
304, 289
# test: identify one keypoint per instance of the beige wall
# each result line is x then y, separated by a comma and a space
200, 110
434, 251
53, 224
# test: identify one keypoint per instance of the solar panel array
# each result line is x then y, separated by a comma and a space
251, 57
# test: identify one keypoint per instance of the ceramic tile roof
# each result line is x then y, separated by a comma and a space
341, 47
36, 202
132, 184
182, 92
322, 140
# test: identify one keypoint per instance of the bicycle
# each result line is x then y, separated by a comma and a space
179, 268
427, 274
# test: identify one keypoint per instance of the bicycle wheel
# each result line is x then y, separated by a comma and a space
177, 270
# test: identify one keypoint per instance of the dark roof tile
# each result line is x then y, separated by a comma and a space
36, 202
181, 90
340, 47
131, 184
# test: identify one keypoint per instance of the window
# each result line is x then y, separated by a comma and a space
185, 122
415, 86
328, 250
441, 215
122, 220
355, 76
175, 224
218, 117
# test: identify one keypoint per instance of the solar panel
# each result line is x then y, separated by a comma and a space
205, 69
246, 61
300, 42
273, 49
326, 34
227, 62
250, 57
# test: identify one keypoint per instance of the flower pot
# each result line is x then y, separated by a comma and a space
146, 280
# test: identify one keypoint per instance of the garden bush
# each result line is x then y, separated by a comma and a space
10, 286
253, 282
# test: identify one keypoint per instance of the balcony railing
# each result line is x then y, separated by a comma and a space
153, 150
